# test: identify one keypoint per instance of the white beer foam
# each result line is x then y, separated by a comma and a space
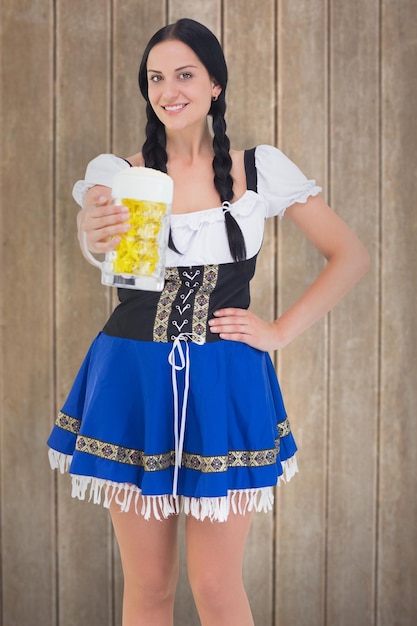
143, 183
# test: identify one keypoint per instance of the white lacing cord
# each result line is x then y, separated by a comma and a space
179, 424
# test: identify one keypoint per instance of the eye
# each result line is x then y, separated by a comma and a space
155, 78
185, 75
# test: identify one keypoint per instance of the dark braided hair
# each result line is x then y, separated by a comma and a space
206, 46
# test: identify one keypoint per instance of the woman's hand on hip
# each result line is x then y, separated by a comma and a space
242, 325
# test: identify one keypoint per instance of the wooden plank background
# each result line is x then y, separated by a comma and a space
334, 85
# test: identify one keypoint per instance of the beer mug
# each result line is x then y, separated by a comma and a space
138, 262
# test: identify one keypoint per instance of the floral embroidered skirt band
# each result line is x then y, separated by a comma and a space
163, 421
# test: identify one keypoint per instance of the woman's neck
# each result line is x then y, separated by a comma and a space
189, 145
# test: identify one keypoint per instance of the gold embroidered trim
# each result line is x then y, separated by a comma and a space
235, 458
284, 428
166, 301
130, 456
157, 462
202, 300
66, 422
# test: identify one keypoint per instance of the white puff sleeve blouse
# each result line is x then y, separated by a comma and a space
201, 236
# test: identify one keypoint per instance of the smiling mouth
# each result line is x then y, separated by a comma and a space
174, 107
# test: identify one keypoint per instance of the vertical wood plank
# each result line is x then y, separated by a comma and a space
302, 121
26, 137
250, 122
2, 317
397, 535
82, 304
354, 184
207, 12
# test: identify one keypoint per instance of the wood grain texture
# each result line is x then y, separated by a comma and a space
82, 304
302, 123
207, 12
397, 536
353, 374
27, 526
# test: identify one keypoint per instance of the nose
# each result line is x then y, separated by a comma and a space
170, 90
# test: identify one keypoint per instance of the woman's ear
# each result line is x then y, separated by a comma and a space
216, 91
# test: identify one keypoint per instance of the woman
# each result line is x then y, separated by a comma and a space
177, 405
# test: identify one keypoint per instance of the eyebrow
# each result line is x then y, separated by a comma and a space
178, 69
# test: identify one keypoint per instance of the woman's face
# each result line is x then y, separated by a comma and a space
180, 89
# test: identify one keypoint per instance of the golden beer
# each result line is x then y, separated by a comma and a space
138, 252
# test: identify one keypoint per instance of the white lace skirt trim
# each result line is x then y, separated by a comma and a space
105, 492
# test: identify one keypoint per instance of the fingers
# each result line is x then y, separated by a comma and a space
105, 238
235, 321
231, 311
103, 223
104, 213
228, 326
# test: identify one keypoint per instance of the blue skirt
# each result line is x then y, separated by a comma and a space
164, 427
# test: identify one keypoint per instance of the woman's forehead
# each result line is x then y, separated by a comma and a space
171, 55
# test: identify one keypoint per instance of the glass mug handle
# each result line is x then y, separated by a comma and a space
87, 252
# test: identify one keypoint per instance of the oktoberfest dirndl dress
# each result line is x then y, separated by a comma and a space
164, 415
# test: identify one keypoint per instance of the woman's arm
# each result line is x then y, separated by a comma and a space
347, 262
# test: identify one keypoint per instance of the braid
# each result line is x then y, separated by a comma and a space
222, 163
223, 181
154, 151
